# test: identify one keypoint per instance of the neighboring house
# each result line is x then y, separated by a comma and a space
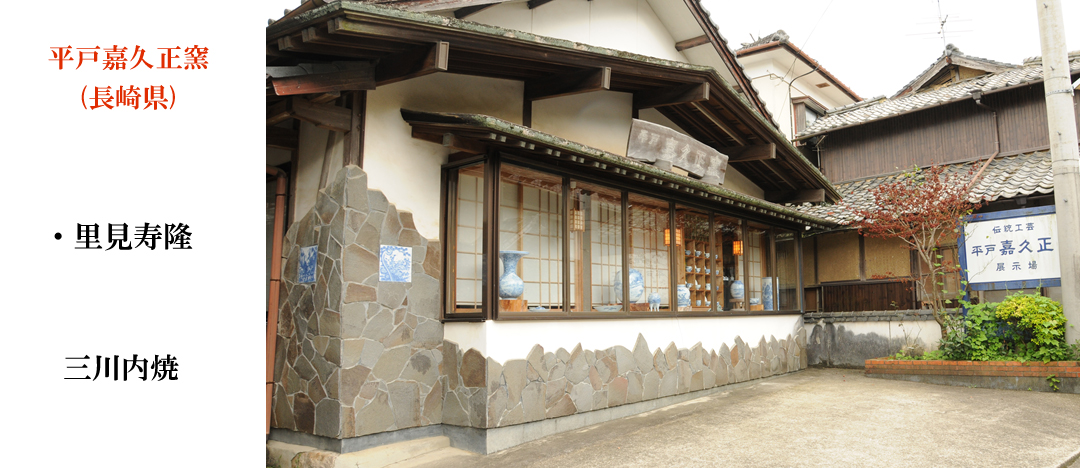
795, 87
471, 252
962, 112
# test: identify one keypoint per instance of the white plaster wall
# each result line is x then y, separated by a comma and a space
733, 179
925, 332
601, 119
308, 167
803, 87
505, 340
407, 170
628, 25
766, 75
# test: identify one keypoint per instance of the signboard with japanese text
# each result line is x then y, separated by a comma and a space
1012, 249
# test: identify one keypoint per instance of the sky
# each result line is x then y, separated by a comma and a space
876, 47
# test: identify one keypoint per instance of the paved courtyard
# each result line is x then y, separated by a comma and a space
820, 417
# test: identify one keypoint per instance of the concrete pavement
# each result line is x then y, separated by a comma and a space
817, 417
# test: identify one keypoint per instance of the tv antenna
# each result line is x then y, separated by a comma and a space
943, 31
941, 26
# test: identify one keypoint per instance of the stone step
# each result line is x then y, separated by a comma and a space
448, 456
387, 455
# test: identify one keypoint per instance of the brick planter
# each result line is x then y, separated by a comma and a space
1007, 375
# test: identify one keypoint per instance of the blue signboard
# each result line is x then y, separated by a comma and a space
1012, 249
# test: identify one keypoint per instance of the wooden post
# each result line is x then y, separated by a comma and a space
354, 138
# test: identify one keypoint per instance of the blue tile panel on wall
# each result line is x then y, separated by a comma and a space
395, 264
306, 267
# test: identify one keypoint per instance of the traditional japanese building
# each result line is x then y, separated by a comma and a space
497, 230
967, 113
795, 88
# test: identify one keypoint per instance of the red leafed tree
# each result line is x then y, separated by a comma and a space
922, 207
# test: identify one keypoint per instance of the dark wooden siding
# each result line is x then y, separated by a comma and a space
949, 133
1023, 118
867, 297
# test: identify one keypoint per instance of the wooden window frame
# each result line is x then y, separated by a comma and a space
492, 161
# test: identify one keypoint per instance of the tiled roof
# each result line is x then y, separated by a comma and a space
778, 36
950, 52
1006, 177
781, 39
869, 111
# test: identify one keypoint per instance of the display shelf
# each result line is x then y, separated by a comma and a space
698, 278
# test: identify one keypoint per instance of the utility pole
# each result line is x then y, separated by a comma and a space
1061, 118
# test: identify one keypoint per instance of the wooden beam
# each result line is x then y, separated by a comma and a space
327, 116
796, 196
657, 97
284, 138
325, 97
294, 44
277, 113
358, 76
454, 142
523, 52
750, 152
537, 3
460, 156
416, 62
462, 13
720, 124
809, 196
692, 42
449, 140
581, 81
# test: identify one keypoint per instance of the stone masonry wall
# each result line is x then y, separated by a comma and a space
483, 393
356, 355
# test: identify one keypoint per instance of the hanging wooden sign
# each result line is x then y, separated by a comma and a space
664, 148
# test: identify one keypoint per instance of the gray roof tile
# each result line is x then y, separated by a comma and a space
879, 108
1006, 177
953, 51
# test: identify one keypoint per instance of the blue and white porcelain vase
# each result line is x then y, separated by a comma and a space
683, 296
637, 285
737, 289
766, 291
654, 301
510, 285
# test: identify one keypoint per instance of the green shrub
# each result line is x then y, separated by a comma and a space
1036, 327
1023, 327
984, 333
955, 346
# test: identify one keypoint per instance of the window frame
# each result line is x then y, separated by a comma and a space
489, 310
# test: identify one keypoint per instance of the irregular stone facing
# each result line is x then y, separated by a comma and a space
357, 356
553, 384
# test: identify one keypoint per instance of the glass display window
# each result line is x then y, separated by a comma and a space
787, 271
728, 281
530, 240
760, 289
695, 267
466, 250
650, 259
596, 248
525, 243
